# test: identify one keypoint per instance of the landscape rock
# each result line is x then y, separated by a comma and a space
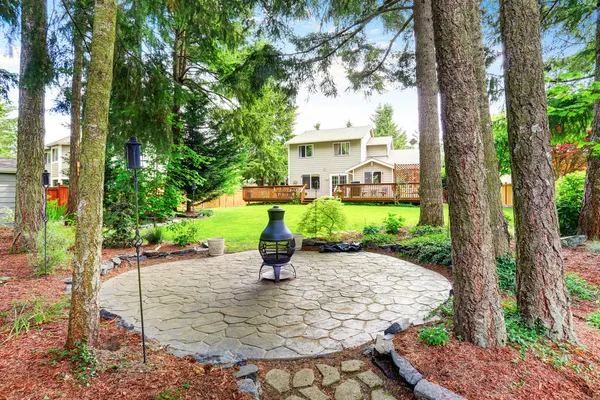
352, 365
249, 386
125, 256
68, 289
398, 327
369, 350
68, 280
116, 260
134, 258
349, 390
247, 371
182, 252
380, 394
383, 346
308, 242
220, 357
151, 253
106, 267
572, 241
125, 325
406, 371
370, 379
330, 374
294, 397
107, 315
426, 390
304, 377
279, 380
313, 393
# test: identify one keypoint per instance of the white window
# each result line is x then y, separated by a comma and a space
54, 155
47, 157
305, 151
311, 182
341, 149
373, 177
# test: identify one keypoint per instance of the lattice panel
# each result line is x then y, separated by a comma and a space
408, 173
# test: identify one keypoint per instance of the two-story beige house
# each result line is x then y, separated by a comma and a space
324, 158
57, 161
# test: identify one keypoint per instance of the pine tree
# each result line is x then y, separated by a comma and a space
383, 119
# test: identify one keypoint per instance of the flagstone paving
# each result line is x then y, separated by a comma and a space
215, 305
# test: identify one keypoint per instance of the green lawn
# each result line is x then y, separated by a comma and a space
241, 226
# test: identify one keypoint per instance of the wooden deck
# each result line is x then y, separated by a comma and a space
378, 192
273, 194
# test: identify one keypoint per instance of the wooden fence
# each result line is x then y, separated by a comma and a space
61, 193
274, 194
226, 200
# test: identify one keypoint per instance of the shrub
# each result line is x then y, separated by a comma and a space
569, 196
594, 319
322, 217
7, 216
155, 235
594, 247
28, 314
119, 219
423, 230
507, 272
434, 335
434, 248
371, 229
185, 232
207, 213
55, 212
377, 239
579, 288
393, 223
59, 243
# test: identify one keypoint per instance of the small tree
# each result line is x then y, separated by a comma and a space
383, 118
349, 124
317, 126
323, 216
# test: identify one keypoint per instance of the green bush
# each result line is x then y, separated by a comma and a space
518, 333
434, 248
59, 247
377, 239
579, 288
569, 196
507, 272
594, 247
434, 335
422, 230
322, 217
155, 235
55, 212
393, 223
371, 229
185, 232
207, 213
594, 319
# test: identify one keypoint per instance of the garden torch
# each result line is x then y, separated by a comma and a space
133, 158
46, 185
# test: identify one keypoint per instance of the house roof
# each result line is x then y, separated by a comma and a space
8, 165
368, 160
63, 141
406, 156
380, 141
332, 135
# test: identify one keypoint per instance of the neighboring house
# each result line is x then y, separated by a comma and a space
57, 161
324, 158
8, 171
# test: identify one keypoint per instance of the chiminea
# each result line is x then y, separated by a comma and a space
276, 246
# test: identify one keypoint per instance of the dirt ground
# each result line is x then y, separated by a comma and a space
31, 368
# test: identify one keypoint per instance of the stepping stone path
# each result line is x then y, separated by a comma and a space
355, 382
214, 306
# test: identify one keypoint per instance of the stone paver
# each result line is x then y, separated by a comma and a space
313, 393
349, 390
279, 380
330, 374
304, 377
206, 306
370, 379
380, 394
352, 365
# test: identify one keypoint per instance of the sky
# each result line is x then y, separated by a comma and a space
312, 108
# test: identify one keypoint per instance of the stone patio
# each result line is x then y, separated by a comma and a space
212, 306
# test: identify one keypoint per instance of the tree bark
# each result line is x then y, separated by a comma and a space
430, 191
541, 290
589, 219
29, 197
478, 316
492, 174
75, 110
84, 317
179, 73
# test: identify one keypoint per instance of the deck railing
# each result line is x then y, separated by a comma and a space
384, 192
274, 194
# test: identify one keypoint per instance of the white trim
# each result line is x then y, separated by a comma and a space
307, 144
370, 160
331, 182
341, 143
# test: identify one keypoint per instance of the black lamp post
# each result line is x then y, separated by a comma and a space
46, 185
193, 194
133, 157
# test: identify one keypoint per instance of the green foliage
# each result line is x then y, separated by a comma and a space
59, 246
434, 248
507, 272
594, 319
29, 314
393, 223
322, 217
85, 364
185, 232
371, 229
569, 196
500, 129
444, 310
594, 247
55, 212
434, 335
423, 230
377, 239
155, 235
7, 216
579, 288
172, 395
383, 119
8, 131
207, 213
518, 333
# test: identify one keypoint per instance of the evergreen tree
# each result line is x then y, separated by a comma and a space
8, 132
383, 119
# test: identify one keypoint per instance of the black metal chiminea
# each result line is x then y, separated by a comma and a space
276, 246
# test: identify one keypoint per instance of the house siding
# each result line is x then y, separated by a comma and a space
59, 170
377, 151
387, 174
323, 163
7, 191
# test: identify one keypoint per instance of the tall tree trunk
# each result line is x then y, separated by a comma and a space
478, 316
179, 72
589, 220
492, 174
430, 192
541, 290
29, 198
76, 108
84, 317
